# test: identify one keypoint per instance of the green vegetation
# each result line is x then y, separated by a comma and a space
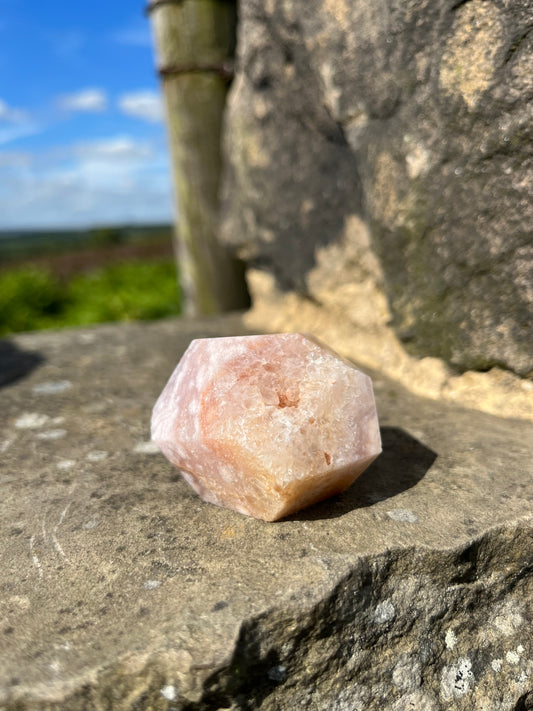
31, 298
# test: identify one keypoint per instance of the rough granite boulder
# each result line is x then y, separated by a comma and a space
385, 149
120, 590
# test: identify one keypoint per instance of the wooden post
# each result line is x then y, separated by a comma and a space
195, 42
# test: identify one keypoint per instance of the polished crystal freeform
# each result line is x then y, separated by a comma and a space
266, 425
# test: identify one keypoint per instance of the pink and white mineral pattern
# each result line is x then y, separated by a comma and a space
266, 425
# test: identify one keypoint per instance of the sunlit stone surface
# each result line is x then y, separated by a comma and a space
266, 425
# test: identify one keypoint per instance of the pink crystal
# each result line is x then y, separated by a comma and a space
266, 425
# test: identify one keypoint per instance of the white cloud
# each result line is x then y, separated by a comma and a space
146, 105
14, 158
118, 148
118, 180
8, 113
90, 100
135, 35
11, 133
15, 123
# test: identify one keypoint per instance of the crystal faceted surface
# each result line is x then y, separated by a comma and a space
266, 425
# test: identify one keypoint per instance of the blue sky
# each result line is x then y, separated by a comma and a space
82, 138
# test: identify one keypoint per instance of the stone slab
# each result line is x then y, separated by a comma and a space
121, 589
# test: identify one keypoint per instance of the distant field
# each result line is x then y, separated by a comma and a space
19, 244
70, 261
83, 278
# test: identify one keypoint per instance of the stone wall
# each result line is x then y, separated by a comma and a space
380, 164
121, 590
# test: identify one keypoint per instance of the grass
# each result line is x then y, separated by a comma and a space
33, 299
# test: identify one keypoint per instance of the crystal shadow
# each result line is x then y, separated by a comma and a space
16, 363
403, 462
